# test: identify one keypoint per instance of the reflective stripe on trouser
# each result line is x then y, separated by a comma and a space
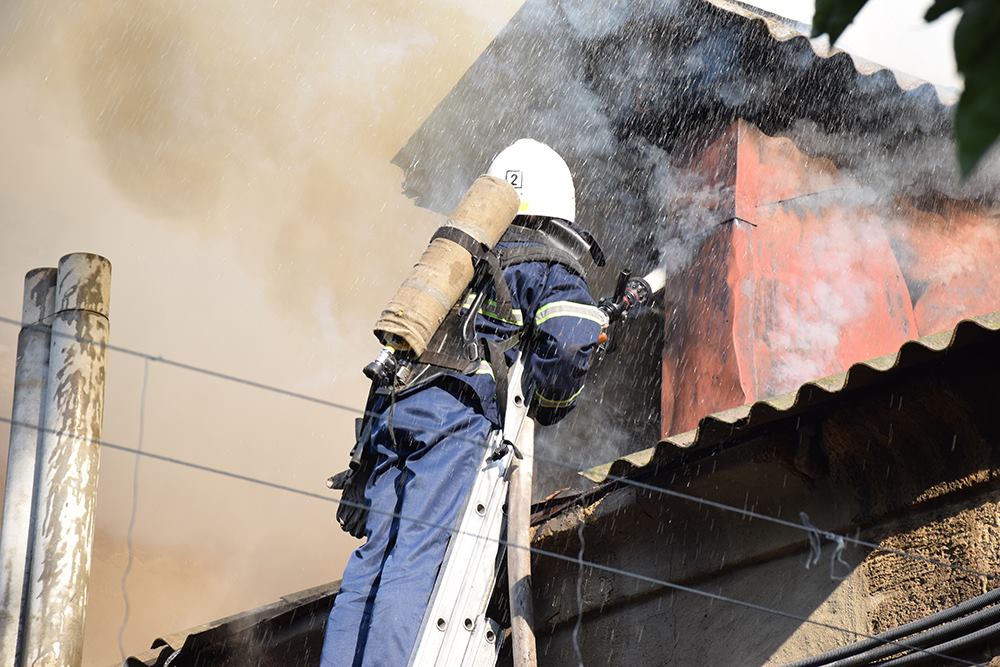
388, 581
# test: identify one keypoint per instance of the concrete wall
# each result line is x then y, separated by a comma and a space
657, 626
909, 462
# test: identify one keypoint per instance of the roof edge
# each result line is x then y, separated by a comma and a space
722, 425
783, 29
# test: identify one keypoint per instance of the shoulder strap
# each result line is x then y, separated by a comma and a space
533, 246
528, 245
482, 255
467, 241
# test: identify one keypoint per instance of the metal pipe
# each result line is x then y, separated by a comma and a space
68, 464
30, 372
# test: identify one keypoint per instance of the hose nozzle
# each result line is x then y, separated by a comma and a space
631, 292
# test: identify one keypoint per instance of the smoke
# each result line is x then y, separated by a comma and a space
233, 161
810, 322
632, 95
924, 168
685, 207
282, 115
591, 20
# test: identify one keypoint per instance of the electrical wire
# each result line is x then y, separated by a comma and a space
499, 541
959, 644
965, 615
133, 511
572, 466
219, 375
579, 596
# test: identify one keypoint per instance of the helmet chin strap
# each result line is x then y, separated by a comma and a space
566, 235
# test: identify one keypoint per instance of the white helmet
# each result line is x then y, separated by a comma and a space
540, 177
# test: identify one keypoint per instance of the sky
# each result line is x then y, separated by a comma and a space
892, 33
232, 160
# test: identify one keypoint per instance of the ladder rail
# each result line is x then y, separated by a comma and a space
455, 629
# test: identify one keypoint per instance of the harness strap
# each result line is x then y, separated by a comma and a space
449, 361
464, 239
533, 246
481, 254
529, 245
493, 353
362, 430
504, 301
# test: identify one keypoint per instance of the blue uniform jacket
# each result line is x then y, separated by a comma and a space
559, 324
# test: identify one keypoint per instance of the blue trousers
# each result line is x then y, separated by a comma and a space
425, 469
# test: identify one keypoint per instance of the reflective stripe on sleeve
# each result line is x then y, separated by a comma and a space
570, 309
544, 402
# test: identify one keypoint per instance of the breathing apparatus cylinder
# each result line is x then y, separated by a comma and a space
442, 274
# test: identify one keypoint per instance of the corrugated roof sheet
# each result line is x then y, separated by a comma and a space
728, 424
761, 68
286, 632
784, 29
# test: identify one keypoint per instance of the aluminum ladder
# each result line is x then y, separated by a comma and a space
455, 629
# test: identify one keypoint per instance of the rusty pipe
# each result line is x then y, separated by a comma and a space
69, 459
30, 373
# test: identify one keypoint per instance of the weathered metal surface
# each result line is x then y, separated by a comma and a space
949, 257
728, 424
809, 276
68, 463
701, 371
556, 98
802, 282
29, 384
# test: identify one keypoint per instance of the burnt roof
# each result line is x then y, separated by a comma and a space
286, 632
585, 78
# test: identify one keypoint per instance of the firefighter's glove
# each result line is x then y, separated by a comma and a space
352, 512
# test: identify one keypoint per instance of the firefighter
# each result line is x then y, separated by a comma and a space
424, 442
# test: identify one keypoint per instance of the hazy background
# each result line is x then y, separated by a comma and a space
232, 160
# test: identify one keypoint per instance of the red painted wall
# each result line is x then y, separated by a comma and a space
810, 277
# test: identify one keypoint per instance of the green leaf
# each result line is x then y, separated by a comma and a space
976, 33
833, 16
940, 8
977, 117
977, 53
